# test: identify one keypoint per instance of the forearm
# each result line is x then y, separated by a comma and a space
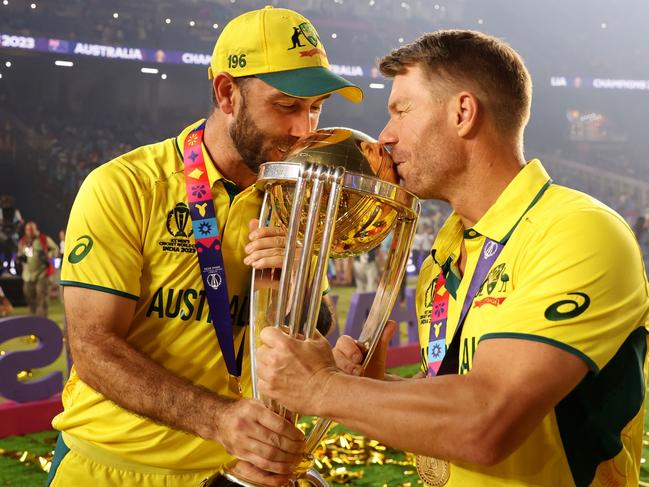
135, 382
446, 417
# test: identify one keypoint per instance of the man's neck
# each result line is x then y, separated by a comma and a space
224, 155
487, 177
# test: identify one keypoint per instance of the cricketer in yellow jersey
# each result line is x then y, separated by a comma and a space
543, 383
150, 400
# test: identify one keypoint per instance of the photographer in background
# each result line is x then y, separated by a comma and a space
35, 250
10, 226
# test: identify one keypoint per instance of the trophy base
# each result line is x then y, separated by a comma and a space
224, 480
309, 478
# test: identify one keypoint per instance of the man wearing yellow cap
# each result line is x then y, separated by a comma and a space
156, 290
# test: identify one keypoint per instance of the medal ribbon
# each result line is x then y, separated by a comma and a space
437, 351
208, 247
439, 314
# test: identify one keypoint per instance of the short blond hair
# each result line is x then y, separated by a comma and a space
482, 61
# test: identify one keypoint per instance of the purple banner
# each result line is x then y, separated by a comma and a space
359, 310
48, 349
141, 54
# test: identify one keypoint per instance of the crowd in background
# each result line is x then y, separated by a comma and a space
49, 145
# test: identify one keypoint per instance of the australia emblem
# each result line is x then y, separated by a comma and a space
309, 33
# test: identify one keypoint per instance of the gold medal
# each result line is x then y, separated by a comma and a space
433, 472
234, 385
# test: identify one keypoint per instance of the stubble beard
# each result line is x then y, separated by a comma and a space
253, 145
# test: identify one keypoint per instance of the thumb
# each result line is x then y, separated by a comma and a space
388, 332
253, 224
376, 367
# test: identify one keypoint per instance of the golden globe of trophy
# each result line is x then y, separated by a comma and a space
336, 195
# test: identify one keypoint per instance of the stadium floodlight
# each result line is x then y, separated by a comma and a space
163, 76
0, 75
5, 2
377, 86
192, 23
8, 64
372, 2
149, 70
115, 15
334, 35
215, 26
167, 21
400, 40
33, 6
65, 64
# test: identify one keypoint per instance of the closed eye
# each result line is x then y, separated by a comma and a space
286, 106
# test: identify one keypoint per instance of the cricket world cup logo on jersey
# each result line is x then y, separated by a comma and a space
177, 220
178, 224
213, 276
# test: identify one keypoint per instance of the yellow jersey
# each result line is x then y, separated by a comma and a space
570, 275
130, 234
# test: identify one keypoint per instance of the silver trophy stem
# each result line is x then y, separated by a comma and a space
303, 273
289, 260
291, 244
336, 178
264, 214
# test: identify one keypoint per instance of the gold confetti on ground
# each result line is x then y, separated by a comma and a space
24, 375
44, 462
339, 449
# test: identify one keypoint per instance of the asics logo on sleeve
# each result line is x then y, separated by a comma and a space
567, 308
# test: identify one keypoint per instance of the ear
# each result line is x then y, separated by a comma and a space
467, 109
224, 89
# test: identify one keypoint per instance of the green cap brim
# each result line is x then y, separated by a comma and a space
312, 81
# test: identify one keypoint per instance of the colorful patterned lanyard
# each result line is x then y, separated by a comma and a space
208, 249
439, 314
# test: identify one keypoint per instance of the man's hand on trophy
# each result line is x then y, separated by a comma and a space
269, 446
294, 372
266, 247
266, 253
247, 471
350, 354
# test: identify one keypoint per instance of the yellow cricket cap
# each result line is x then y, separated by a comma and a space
282, 48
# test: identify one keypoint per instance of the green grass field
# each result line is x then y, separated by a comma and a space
19, 455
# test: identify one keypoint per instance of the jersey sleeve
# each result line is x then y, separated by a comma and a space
104, 237
580, 286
